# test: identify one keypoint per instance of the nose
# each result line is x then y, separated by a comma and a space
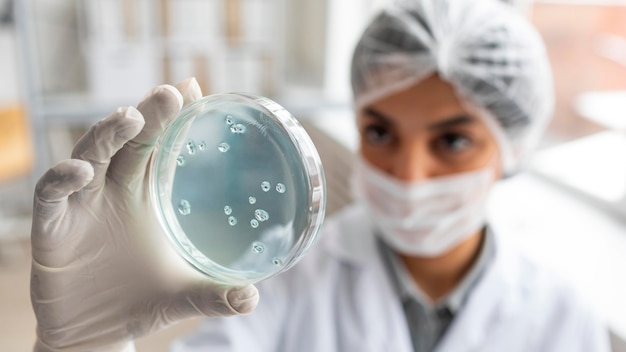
412, 162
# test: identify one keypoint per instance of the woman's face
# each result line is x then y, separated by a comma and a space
424, 132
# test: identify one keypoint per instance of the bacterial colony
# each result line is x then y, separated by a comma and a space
260, 215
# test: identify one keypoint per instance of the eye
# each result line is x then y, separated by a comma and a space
377, 134
453, 143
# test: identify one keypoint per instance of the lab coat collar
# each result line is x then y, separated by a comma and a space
454, 300
496, 296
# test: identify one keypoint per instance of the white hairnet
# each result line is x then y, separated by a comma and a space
492, 56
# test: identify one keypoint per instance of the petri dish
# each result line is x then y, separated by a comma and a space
238, 187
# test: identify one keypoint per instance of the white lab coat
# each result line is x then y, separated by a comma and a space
339, 298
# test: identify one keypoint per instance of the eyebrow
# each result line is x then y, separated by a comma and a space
378, 116
453, 121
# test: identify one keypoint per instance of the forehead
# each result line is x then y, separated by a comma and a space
429, 101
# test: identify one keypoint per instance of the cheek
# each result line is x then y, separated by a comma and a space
376, 156
496, 165
485, 157
493, 160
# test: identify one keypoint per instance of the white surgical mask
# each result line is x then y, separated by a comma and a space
424, 218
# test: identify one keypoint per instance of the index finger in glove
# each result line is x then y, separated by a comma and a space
190, 90
159, 107
104, 139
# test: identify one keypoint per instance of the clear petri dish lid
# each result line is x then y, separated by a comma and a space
238, 187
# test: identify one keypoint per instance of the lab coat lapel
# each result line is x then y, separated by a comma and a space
384, 322
495, 298
372, 316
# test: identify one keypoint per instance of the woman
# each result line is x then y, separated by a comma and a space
450, 96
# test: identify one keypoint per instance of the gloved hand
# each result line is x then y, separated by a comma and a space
103, 271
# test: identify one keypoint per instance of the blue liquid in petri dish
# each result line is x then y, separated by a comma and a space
258, 202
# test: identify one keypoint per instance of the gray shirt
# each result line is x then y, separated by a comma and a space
427, 320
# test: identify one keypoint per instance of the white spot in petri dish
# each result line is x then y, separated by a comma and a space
223, 147
184, 208
202, 145
229, 120
261, 215
227, 210
238, 128
277, 261
232, 221
254, 223
280, 188
191, 147
258, 247
251, 200
180, 160
265, 186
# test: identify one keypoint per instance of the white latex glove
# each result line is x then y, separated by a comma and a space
103, 272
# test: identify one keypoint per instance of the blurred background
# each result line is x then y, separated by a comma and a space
65, 64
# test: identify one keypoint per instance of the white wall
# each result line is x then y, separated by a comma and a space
9, 92
346, 21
